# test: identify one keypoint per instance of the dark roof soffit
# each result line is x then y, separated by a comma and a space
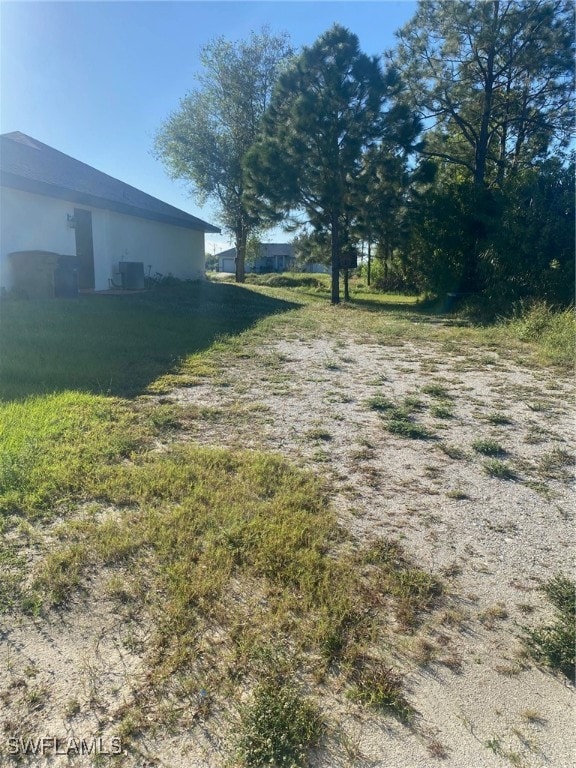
82, 198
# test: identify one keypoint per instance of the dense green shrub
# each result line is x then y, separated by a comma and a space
555, 644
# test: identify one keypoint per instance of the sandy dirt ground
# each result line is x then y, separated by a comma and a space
479, 701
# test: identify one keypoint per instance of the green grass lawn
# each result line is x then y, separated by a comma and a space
118, 345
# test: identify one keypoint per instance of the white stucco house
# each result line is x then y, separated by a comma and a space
50, 202
273, 257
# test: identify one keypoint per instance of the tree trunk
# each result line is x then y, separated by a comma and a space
335, 227
369, 262
241, 240
484, 135
386, 261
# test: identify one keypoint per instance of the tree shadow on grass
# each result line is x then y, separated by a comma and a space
118, 345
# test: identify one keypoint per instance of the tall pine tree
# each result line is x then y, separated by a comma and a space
325, 111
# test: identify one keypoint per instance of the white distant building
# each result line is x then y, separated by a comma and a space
273, 257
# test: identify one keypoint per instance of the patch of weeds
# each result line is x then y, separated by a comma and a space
35, 698
488, 447
332, 365
409, 429
362, 454
555, 644
525, 607
457, 494
119, 588
452, 451
319, 434
413, 403
131, 722
533, 716
60, 573
541, 488
537, 406
321, 456
12, 568
379, 403
380, 687
495, 744
452, 569
510, 670
163, 417
441, 411
436, 749
72, 708
498, 418
435, 389
537, 435
553, 464
413, 589
423, 651
499, 469
491, 615
278, 728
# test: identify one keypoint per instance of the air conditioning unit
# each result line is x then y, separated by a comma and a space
132, 274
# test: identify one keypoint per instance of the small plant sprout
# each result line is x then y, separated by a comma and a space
488, 448
499, 469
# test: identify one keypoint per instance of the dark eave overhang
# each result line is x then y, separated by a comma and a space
83, 198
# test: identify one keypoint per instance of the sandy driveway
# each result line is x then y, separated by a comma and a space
494, 540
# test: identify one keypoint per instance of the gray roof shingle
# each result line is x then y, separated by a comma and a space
32, 166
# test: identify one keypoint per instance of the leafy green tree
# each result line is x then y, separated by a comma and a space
452, 220
211, 261
381, 216
312, 247
325, 110
532, 253
494, 80
205, 140
526, 231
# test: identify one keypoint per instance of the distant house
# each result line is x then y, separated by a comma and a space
273, 257
60, 212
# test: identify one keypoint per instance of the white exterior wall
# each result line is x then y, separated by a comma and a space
32, 222
36, 222
163, 248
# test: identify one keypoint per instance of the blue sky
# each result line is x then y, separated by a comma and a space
96, 79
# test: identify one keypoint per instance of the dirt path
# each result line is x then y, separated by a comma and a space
494, 540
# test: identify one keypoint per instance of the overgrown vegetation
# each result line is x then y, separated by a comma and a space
278, 727
552, 330
555, 644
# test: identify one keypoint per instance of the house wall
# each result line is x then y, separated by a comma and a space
163, 248
36, 222
32, 222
